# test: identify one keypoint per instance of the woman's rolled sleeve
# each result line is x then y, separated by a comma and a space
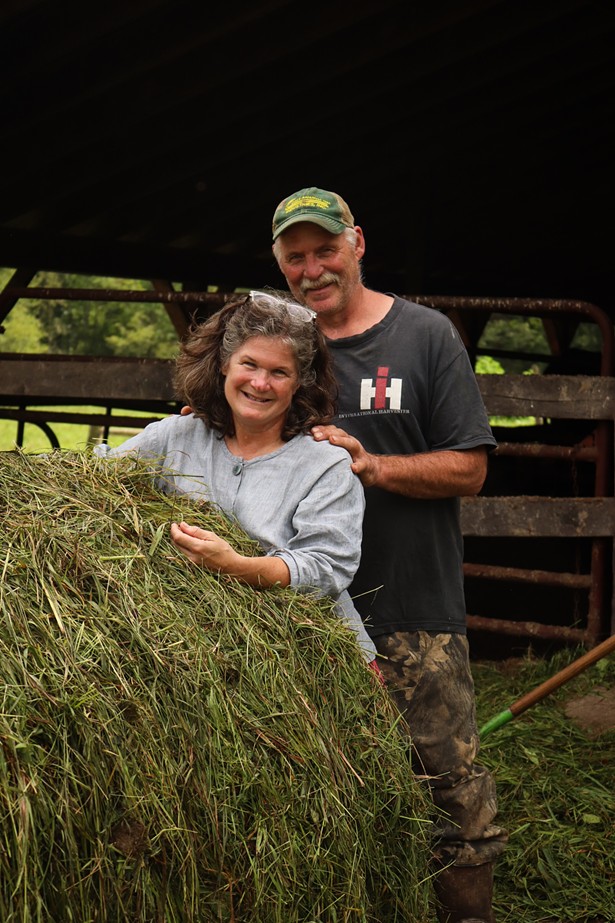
325, 551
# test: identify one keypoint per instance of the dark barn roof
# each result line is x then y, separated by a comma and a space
153, 138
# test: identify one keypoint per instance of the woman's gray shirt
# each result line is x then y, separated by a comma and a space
302, 503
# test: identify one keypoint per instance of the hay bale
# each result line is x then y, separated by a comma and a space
177, 746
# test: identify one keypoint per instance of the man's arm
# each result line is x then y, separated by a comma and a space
425, 476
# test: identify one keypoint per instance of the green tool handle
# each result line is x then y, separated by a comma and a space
530, 698
496, 722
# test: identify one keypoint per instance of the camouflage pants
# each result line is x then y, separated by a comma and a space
428, 675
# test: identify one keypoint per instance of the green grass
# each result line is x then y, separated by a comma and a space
555, 785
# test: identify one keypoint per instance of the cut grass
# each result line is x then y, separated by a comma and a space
178, 747
145, 703
556, 786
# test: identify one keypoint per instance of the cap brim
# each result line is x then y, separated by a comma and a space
329, 224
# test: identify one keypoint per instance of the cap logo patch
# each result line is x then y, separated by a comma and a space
306, 201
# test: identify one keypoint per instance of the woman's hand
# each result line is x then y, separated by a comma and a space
214, 553
205, 548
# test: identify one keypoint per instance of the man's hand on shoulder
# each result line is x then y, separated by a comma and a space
364, 465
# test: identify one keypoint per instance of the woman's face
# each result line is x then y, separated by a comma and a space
261, 380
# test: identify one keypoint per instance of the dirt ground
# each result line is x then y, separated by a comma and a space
595, 713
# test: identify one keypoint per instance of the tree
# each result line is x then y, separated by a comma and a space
22, 330
105, 328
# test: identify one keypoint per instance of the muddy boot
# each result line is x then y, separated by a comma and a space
464, 894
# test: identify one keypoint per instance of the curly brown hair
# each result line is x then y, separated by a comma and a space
199, 380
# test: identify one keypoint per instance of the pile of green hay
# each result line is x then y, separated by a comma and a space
177, 746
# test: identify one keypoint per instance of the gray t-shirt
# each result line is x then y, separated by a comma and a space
407, 386
302, 503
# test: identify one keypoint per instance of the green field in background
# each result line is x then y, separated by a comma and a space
74, 436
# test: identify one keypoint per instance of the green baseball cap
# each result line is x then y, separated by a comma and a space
318, 206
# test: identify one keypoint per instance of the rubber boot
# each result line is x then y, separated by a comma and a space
464, 894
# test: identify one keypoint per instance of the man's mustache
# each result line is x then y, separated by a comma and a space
327, 278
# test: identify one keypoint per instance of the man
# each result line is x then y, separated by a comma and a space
411, 416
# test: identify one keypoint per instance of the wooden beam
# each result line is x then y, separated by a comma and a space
82, 378
538, 517
565, 397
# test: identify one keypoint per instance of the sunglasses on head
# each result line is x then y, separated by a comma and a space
298, 311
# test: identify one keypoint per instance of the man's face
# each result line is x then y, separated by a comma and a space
322, 269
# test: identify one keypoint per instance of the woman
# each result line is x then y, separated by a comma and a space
257, 376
